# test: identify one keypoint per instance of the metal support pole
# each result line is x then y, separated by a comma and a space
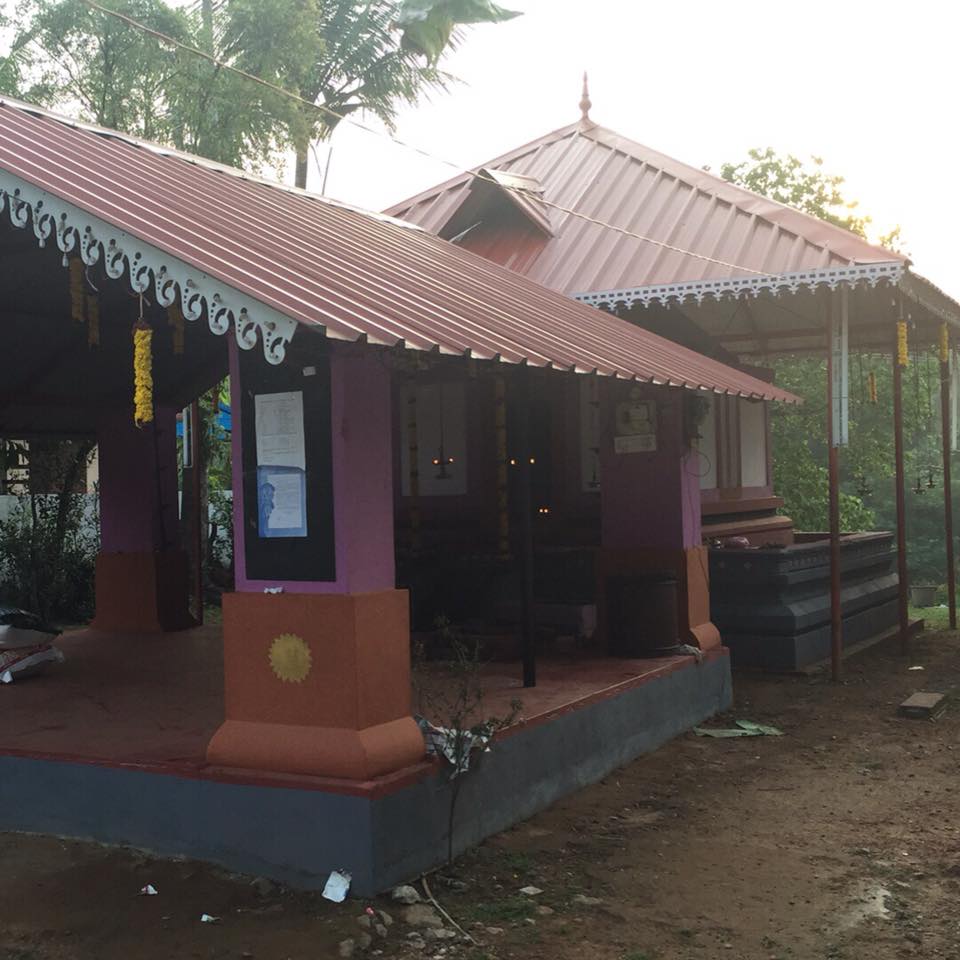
948, 490
904, 615
196, 518
528, 626
836, 613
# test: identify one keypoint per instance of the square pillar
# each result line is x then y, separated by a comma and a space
141, 573
317, 668
650, 501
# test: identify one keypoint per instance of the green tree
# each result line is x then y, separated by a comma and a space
70, 57
337, 56
788, 180
349, 55
866, 466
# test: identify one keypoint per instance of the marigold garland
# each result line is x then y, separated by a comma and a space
76, 289
944, 344
903, 356
142, 375
175, 320
872, 386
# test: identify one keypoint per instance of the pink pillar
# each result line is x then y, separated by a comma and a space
362, 453
317, 676
138, 482
650, 509
650, 499
141, 572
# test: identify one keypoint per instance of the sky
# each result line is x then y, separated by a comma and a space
870, 87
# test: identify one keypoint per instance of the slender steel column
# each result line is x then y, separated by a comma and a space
904, 616
836, 613
947, 486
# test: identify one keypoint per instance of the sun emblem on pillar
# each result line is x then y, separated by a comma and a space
290, 658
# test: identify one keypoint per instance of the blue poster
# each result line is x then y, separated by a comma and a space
281, 501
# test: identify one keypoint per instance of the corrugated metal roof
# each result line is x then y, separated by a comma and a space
600, 174
356, 275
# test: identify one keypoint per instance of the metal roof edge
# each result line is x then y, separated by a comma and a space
753, 286
147, 268
931, 297
176, 154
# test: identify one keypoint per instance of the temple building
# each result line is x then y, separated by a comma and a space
412, 427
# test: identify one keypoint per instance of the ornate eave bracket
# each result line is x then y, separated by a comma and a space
76, 232
775, 284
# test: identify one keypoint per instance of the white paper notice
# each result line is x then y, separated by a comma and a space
280, 430
287, 512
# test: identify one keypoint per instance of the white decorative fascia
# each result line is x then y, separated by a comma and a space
94, 240
751, 286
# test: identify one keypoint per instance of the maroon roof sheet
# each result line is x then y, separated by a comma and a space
355, 274
600, 174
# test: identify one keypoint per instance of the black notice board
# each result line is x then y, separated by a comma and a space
312, 557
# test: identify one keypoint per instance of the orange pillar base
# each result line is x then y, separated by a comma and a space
142, 592
317, 684
695, 599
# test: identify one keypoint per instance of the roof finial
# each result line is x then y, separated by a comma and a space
585, 103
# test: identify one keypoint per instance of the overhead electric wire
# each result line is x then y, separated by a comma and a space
460, 169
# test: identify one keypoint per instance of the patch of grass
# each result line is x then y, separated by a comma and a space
508, 910
638, 955
935, 618
518, 862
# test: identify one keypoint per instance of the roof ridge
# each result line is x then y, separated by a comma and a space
813, 230
728, 192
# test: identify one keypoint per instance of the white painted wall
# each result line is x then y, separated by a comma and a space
753, 443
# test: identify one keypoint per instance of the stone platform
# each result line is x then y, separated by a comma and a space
111, 747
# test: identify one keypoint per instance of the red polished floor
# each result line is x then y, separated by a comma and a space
157, 699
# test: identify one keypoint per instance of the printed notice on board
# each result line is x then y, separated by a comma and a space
280, 430
282, 502
281, 465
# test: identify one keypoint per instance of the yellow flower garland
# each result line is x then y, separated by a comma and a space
175, 320
872, 386
903, 356
944, 343
76, 289
142, 375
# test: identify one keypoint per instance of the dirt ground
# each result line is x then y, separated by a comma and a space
838, 841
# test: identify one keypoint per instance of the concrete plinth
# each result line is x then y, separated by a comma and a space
382, 831
317, 684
